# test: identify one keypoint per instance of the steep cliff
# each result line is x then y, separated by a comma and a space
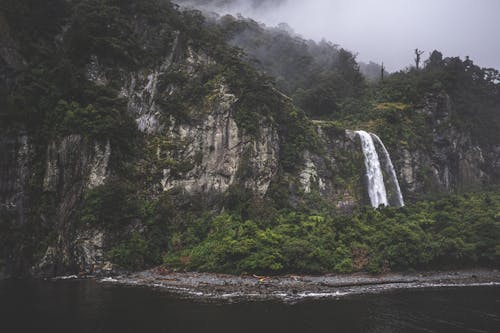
132, 124
335, 172
191, 141
442, 157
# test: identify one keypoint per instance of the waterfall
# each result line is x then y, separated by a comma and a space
397, 199
375, 177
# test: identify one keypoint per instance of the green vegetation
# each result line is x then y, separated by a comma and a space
318, 76
109, 206
253, 237
132, 253
62, 44
325, 81
456, 231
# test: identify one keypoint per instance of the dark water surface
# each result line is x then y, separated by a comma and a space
87, 306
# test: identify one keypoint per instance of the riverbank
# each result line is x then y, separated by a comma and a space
209, 286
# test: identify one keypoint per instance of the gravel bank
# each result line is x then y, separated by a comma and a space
209, 286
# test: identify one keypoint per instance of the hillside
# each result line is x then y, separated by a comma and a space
134, 133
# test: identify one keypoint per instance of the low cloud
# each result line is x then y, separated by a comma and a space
383, 30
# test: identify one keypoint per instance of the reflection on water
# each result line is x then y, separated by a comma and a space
86, 306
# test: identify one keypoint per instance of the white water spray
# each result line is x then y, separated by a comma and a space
374, 176
398, 196
375, 180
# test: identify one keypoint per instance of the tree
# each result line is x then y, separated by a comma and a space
418, 54
435, 59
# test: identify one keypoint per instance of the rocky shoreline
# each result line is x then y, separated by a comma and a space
221, 287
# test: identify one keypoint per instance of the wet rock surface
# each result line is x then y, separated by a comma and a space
222, 287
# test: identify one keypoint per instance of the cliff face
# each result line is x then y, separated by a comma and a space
450, 160
71, 167
335, 172
15, 152
201, 150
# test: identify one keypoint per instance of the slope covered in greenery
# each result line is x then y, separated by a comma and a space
326, 82
47, 95
456, 231
318, 76
51, 97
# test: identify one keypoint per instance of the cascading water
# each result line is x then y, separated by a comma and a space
374, 175
397, 198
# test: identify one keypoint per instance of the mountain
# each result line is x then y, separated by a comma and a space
136, 133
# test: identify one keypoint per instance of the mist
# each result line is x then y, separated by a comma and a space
384, 30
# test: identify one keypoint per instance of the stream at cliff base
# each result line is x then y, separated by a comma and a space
88, 306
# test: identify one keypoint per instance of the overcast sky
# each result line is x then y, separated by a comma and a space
389, 30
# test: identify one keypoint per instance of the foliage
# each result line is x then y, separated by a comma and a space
52, 97
449, 232
72, 118
103, 28
325, 81
132, 253
319, 76
109, 206
474, 92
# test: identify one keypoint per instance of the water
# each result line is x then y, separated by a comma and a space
374, 177
86, 306
381, 191
397, 199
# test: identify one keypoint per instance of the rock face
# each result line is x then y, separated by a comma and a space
217, 151
89, 252
335, 170
209, 156
73, 160
452, 161
73, 166
199, 150
15, 159
204, 156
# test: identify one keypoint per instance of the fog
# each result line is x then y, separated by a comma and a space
385, 30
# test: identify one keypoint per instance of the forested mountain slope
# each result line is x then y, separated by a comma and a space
135, 133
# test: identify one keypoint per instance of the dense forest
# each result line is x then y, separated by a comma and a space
445, 233
69, 70
325, 79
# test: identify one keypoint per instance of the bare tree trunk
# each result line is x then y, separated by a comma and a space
418, 53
